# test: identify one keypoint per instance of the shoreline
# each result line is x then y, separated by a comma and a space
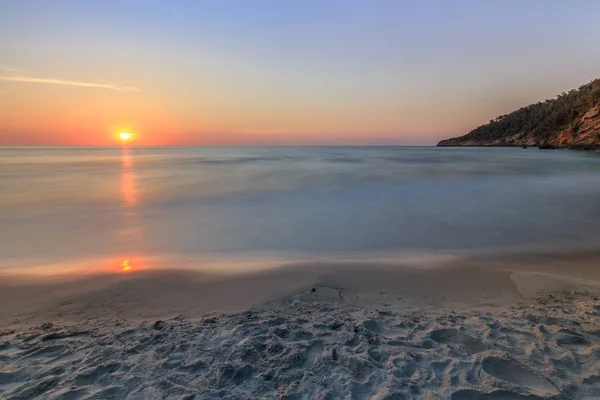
420, 282
526, 146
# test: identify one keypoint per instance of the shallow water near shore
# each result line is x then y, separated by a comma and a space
72, 210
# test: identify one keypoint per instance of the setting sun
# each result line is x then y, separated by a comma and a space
125, 266
125, 136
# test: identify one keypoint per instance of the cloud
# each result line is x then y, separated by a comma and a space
8, 77
9, 69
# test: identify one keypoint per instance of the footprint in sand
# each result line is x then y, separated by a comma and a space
377, 355
73, 394
381, 329
571, 340
173, 361
61, 335
91, 376
510, 371
233, 373
406, 369
593, 336
195, 367
470, 394
311, 354
9, 377
35, 388
108, 393
454, 337
441, 367
10, 380
5, 346
592, 382
466, 394
372, 325
516, 334
43, 352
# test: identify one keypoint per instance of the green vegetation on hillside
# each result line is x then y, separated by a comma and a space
536, 124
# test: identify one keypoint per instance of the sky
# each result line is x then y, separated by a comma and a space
282, 72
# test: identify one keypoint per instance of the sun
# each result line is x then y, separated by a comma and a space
125, 266
125, 136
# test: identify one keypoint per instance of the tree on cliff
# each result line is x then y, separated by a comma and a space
540, 122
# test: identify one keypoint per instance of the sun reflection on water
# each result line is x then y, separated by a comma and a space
129, 204
128, 187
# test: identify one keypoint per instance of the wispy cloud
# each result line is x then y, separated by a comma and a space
9, 69
11, 74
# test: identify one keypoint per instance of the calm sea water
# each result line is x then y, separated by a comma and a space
67, 206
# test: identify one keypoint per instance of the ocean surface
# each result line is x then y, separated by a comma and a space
110, 209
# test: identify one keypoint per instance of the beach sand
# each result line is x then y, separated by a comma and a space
523, 328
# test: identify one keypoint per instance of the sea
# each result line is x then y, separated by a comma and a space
77, 210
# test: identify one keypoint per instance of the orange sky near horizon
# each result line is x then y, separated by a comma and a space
55, 114
65, 115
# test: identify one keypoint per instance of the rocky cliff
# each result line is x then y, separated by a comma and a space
571, 120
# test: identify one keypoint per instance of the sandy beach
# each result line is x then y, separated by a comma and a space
524, 328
